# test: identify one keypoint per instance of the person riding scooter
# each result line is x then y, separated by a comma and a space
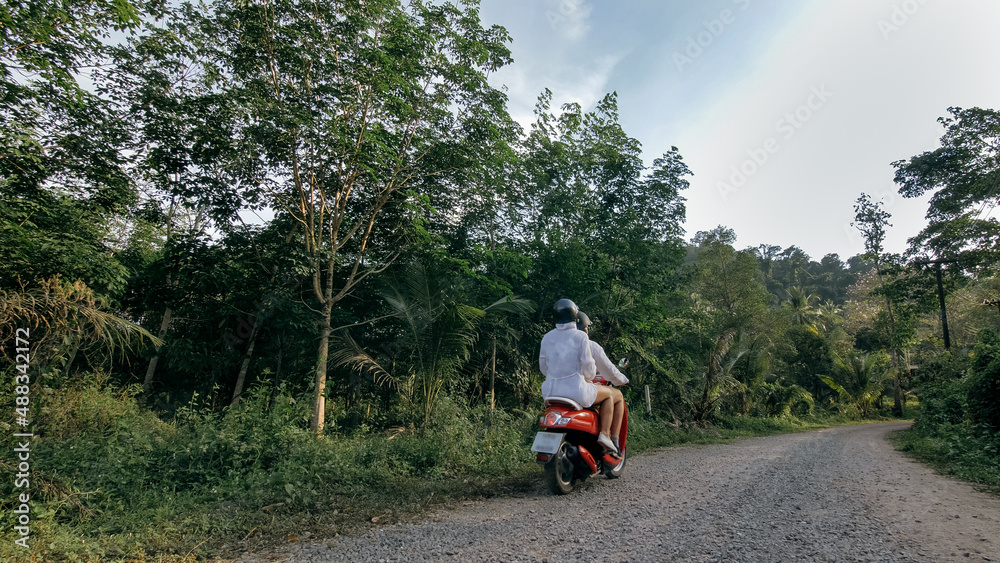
607, 370
566, 361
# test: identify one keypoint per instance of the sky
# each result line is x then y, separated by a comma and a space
786, 111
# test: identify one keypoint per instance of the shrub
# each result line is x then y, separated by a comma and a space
943, 403
984, 381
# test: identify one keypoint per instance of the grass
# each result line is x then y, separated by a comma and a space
112, 482
960, 450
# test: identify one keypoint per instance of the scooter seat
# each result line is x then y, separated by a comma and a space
564, 400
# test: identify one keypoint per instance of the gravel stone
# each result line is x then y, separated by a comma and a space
839, 494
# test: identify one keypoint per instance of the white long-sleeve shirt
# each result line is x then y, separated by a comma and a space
566, 361
605, 367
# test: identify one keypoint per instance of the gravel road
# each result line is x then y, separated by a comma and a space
840, 494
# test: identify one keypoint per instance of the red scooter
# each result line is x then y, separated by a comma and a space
567, 444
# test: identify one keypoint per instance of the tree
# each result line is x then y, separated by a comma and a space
802, 308
595, 219
872, 220
61, 175
601, 227
861, 379
808, 356
349, 110
438, 332
728, 280
728, 287
183, 115
44, 46
964, 174
65, 319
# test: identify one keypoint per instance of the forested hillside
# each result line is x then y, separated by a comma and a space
247, 226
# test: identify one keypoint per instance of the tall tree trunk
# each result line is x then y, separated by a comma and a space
247, 356
897, 407
319, 404
493, 377
277, 373
147, 383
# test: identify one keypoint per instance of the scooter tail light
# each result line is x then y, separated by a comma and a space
553, 418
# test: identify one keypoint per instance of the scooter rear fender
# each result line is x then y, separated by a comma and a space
584, 421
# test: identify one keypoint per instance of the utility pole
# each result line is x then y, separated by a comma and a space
940, 285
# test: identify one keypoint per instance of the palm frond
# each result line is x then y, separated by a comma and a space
62, 311
832, 384
347, 353
512, 305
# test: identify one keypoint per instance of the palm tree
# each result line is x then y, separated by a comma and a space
718, 375
802, 307
437, 338
861, 380
65, 319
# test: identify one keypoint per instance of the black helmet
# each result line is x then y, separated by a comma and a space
582, 321
566, 311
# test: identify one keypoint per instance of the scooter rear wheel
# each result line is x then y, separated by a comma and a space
559, 471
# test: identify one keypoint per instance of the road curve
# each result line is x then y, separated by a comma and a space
840, 494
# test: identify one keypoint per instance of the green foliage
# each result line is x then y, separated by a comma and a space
64, 189
773, 400
65, 320
957, 449
943, 404
436, 332
371, 131
963, 175
828, 280
984, 382
53, 235
111, 466
871, 219
728, 283
807, 357
956, 427
861, 380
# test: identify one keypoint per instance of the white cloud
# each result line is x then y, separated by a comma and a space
569, 18
888, 89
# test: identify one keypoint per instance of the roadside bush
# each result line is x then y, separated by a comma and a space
943, 403
984, 381
941, 367
958, 450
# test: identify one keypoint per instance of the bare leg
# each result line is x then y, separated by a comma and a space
607, 400
616, 424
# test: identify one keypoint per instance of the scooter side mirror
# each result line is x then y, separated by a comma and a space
623, 363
